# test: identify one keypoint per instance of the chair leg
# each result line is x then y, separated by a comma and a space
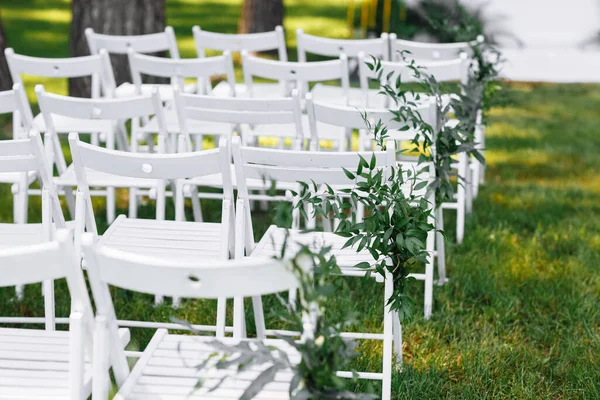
110, 205
18, 219
70, 198
397, 330
440, 247
196, 209
132, 202
460, 222
475, 177
179, 202
259, 317
428, 300
469, 188
388, 338
49, 313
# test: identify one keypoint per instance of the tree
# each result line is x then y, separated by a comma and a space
5, 79
114, 17
261, 15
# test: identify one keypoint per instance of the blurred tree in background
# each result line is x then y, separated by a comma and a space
261, 15
5, 80
114, 17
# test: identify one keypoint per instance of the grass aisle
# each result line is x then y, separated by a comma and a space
520, 317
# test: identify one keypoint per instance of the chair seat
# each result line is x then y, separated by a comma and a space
260, 90
335, 95
180, 239
15, 177
97, 178
34, 364
194, 126
168, 370
272, 241
12, 235
64, 124
165, 90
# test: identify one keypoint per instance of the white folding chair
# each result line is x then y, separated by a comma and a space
148, 43
376, 47
421, 51
237, 43
26, 156
320, 168
101, 114
15, 101
176, 240
45, 363
154, 372
199, 68
248, 114
443, 71
344, 117
445, 52
299, 75
97, 66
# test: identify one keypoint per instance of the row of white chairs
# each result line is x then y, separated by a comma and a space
233, 237
302, 72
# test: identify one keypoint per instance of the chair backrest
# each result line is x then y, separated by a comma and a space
291, 166
250, 42
26, 155
49, 261
120, 44
97, 66
106, 112
299, 72
378, 47
160, 167
208, 279
236, 111
15, 101
179, 69
429, 51
320, 113
443, 71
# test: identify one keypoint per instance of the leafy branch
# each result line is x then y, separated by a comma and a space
322, 350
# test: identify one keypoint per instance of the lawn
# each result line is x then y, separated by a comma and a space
520, 316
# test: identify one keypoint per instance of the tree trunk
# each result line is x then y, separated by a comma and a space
113, 17
5, 79
261, 15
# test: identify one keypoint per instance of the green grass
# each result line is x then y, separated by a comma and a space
519, 317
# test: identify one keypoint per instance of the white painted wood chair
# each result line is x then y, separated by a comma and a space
202, 69
423, 52
443, 71
297, 75
345, 117
319, 167
26, 156
148, 43
15, 102
97, 66
44, 363
247, 114
168, 366
237, 43
376, 47
102, 115
177, 240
